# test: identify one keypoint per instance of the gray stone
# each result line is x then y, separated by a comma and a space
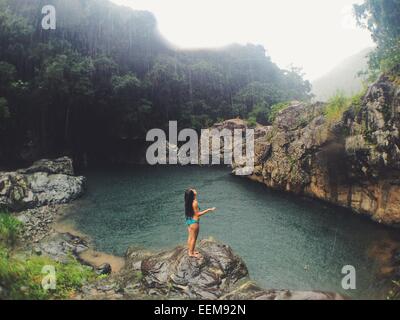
176, 273
57, 166
46, 182
104, 269
60, 247
250, 291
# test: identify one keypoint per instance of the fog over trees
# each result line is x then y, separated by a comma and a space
105, 76
348, 77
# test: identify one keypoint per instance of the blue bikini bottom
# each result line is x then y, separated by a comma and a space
189, 222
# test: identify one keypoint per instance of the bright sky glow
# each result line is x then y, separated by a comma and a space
313, 34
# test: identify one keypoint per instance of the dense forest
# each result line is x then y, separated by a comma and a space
96, 84
92, 87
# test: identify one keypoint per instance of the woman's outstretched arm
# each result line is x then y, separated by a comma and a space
202, 213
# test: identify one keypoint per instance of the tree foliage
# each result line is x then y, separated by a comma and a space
105, 76
381, 17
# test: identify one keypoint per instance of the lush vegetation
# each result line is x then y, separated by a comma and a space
336, 106
105, 76
339, 103
21, 277
21, 274
265, 115
275, 109
9, 229
381, 17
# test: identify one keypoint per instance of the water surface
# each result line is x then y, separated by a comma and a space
286, 241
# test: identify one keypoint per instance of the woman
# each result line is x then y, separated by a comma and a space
193, 214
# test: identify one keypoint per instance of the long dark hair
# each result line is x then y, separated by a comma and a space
189, 198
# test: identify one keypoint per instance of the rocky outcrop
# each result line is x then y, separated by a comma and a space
174, 273
45, 182
60, 246
57, 166
218, 274
353, 162
373, 154
250, 291
38, 222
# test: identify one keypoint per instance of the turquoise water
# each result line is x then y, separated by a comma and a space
286, 241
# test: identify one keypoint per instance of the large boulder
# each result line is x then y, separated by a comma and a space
62, 165
45, 182
61, 246
173, 273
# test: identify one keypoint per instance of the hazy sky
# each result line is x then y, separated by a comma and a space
312, 34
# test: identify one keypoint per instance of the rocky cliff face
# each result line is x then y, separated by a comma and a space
353, 162
45, 182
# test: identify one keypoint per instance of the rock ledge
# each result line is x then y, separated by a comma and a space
46, 182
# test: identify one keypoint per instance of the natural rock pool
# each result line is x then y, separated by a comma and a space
287, 242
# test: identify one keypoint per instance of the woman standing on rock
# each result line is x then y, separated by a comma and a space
193, 214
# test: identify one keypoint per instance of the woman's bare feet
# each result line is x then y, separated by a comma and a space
195, 254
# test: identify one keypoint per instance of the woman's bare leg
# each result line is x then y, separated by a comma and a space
190, 241
195, 235
193, 231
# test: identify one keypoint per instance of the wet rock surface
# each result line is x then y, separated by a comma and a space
218, 274
61, 246
174, 273
38, 222
104, 269
62, 165
250, 291
46, 182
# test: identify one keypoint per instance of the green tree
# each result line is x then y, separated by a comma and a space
381, 18
4, 111
105, 76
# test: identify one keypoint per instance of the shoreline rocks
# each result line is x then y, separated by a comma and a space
38, 222
250, 291
62, 165
218, 275
46, 182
